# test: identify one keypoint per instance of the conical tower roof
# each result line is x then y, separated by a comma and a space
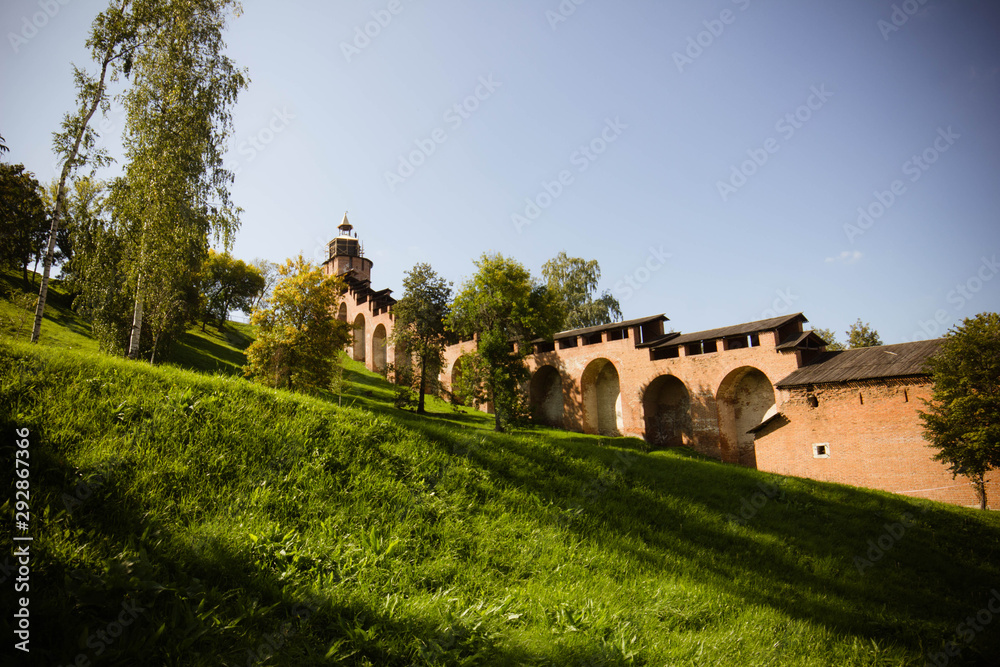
345, 227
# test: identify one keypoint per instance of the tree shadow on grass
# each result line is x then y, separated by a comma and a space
156, 597
201, 353
800, 548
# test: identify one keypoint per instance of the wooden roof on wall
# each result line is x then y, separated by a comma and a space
866, 363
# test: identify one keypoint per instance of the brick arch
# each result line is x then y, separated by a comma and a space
600, 386
666, 408
358, 352
342, 312
379, 361
455, 379
545, 396
744, 396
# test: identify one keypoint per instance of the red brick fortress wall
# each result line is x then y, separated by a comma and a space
872, 437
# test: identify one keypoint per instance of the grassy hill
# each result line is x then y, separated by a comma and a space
182, 518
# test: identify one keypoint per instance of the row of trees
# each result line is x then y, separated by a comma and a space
135, 247
502, 306
91, 248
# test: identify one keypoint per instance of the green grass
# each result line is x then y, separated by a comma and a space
240, 522
209, 351
368, 535
61, 326
212, 350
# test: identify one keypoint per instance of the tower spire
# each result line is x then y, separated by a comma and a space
345, 226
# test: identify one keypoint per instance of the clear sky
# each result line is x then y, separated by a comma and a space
712, 156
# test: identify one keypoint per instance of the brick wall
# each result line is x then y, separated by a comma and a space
873, 437
586, 388
373, 347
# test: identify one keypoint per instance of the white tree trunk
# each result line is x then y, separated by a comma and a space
133, 342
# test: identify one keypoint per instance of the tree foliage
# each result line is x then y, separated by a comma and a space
226, 284
831, 339
116, 36
174, 192
269, 271
420, 321
505, 308
861, 334
573, 282
23, 218
85, 208
299, 336
963, 416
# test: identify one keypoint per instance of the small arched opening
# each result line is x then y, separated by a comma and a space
744, 397
545, 397
666, 406
379, 361
358, 353
602, 398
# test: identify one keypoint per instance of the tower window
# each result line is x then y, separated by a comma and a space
821, 450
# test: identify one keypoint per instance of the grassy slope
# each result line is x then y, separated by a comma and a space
210, 351
61, 326
246, 522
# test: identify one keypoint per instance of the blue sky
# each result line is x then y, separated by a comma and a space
712, 156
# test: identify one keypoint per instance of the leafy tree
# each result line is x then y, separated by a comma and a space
298, 334
505, 308
117, 35
23, 220
963, 416
861, 334
84, 208
175, 189
830, 338
420, 321
3, 145
96, 272
226, 284
269, 271
573, 282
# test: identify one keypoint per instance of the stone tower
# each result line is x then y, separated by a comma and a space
348, 255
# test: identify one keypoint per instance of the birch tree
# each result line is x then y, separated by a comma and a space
174, 193
117, 35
